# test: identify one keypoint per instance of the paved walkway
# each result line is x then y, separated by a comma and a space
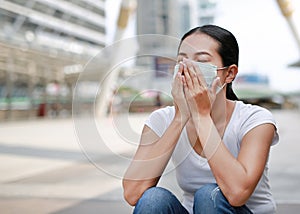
44, 170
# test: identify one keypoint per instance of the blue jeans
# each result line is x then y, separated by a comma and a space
208, 199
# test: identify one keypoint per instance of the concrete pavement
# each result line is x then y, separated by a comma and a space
44, 170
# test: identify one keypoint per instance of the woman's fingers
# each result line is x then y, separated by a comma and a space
190, 74
194, 76
200, 76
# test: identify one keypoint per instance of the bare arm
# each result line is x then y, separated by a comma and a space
154, 152
237, 177
150, 160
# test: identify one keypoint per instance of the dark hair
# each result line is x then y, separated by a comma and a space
228, 48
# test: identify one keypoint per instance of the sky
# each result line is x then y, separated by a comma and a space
267, 45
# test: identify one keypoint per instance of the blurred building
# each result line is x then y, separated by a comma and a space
169, 18
173, 17
44, 44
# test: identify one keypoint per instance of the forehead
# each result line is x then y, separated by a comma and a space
199, 42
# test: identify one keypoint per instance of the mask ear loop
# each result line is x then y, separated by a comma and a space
220, 88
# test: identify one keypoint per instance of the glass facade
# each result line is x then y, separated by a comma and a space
38, 41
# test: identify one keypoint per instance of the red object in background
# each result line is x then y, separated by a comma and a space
42, 110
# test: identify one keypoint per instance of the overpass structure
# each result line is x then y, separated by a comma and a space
45, 45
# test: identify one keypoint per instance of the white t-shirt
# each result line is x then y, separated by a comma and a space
193, 171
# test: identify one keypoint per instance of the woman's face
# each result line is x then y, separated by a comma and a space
201, 48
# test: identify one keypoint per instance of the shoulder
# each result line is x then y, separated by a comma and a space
250, 116
163, 113
253, 112
160, 119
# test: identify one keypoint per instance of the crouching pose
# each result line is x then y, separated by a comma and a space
219, 145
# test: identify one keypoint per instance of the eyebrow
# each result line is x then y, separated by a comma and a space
182, 54
197, 53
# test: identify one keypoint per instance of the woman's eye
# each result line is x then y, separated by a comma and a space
202, 60
180, 59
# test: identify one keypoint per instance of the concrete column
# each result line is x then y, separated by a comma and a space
103, 100
9, 86
287, 10
31, 83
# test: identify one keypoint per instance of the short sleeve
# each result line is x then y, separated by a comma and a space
160, 120
255, 116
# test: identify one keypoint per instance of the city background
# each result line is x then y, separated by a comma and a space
78, 78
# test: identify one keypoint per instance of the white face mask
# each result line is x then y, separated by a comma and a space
209, 72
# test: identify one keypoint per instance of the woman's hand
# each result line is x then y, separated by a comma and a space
199, 97
181, 107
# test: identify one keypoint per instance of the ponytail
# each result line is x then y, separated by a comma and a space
230, 93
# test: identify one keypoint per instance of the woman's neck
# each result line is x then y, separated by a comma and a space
221, 114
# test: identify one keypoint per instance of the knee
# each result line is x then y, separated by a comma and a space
207, 198
154, 199
206, 192
210, 199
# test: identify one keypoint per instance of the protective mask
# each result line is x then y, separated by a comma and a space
209, 72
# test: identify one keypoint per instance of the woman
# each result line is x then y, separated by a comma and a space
219, 145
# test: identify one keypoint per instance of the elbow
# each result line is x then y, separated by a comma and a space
235, 201
238, 197
134, 189
130, 193
130, 198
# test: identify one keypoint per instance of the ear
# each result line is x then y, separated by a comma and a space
231, 73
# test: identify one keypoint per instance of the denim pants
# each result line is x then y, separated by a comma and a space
208, 199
